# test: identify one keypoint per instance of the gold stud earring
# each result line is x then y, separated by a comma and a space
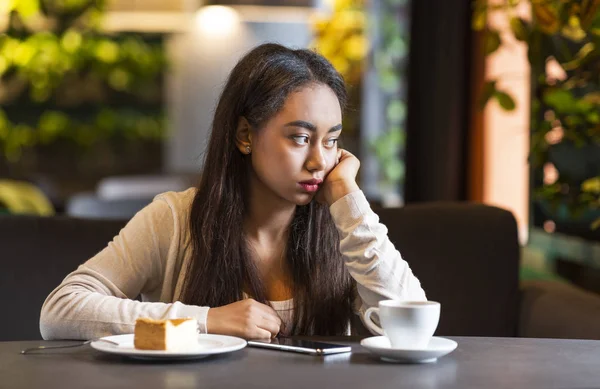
248, 149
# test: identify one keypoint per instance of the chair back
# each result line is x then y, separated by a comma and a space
37, 254
467, 258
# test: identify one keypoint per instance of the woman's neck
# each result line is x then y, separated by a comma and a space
269, 216
266, 227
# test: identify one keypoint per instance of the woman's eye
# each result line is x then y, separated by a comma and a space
331, 142
301, 139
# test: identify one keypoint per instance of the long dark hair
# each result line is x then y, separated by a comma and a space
221, 265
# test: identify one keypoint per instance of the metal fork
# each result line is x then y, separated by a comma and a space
40, 348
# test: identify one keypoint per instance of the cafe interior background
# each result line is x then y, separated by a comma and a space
104, 104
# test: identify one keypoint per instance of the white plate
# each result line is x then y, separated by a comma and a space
208, 344
437, 347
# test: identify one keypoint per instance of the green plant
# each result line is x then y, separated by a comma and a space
339, 35
390, 56
387, 148
565, 112
590, 193
342, 38
62, 79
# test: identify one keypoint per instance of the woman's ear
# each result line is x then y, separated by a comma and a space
243, 136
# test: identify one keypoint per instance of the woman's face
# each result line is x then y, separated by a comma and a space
294, 151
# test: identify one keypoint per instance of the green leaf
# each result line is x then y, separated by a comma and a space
396, 112
572, 29
479, 19
390, 26
546, 16
393, 170
587, 52
596, 224
491, 41
564, 102
591, 185
505, 100
593, 98
486, 94
387, 145
398, 47
396, 136
389, 81
51, 125
5, 125
589, 14
583, 106
25, 8
3, 64
107, 51
560, 99
519, 29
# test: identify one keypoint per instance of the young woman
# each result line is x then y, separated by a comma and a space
277, 238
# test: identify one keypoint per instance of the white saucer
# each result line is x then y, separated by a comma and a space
437, 347
208, 344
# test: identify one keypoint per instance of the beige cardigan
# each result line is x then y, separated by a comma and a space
151, 253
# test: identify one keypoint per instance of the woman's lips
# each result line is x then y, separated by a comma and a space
311, 185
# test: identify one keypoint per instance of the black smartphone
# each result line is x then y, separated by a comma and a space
301, 346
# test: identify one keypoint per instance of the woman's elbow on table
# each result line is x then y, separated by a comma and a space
53, 320
48, 325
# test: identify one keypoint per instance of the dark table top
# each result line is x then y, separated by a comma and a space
476, 363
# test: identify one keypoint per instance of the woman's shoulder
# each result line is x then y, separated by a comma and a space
179, 202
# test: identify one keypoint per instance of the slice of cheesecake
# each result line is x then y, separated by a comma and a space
170, 335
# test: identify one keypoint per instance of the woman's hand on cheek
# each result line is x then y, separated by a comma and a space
341, 180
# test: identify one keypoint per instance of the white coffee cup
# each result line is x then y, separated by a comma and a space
407, 324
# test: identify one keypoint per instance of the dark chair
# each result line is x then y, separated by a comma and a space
467, 258
37, 254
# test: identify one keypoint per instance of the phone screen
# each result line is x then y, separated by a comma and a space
302, 346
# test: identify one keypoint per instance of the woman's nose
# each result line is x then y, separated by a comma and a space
316, 159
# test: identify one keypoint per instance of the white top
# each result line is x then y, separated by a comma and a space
285, 310
150, 257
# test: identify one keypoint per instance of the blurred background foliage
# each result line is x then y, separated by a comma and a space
340, 35
63, 80
390, 56
563, 41
352, 40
